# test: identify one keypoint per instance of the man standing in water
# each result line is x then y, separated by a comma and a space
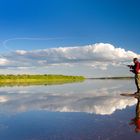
136, 70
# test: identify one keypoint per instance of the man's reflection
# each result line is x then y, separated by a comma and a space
136, 120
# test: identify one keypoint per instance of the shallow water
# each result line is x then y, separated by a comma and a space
91, 110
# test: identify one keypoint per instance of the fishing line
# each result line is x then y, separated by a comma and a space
4, 45
26, 38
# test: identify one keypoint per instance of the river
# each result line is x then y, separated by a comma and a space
89, 110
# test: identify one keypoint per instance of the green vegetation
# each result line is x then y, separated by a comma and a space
25, 79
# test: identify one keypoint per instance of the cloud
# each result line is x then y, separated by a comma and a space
3, 61
98, 52
98, 56
21, 52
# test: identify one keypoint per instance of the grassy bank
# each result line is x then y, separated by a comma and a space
37, 79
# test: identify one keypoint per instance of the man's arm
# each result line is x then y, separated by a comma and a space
132, 68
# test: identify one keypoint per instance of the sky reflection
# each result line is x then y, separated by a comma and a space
92, 96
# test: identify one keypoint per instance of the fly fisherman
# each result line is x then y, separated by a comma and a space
136, 70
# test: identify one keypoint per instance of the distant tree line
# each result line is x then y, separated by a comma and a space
38, 78
117, 78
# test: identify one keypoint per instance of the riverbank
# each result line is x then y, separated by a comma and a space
116, 78
38, 79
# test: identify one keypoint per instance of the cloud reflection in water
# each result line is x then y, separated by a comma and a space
103, 101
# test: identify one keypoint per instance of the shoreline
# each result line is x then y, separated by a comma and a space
46, 79
113, 78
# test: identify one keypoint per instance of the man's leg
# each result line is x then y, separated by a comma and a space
137, 82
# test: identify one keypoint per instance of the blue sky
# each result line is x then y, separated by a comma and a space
42, 24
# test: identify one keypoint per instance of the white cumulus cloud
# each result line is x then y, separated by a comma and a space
3, 61
98, 56
99, 52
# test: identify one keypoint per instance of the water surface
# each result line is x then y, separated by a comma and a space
91, 110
